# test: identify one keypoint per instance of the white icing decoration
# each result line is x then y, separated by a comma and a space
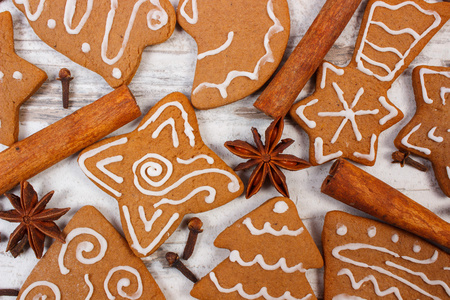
347, 113
373, 280
37, 13
149, 223
392, 111
371, 155
209, 159
52, 286
86, 48
448, 171
124, 282
341, 230
69, 12
158, 14
158, 130
116, 73
188, 130
425, 71
347, 297
395, 238
446, 268
326, 66
233, 186
318, 149
422, 276
416, 248
152, 169
417, 37
93, 152
51, 23
262, 292
431, 136
17, 75
300, 112
428, 261
268, 229
444, 91
219, 49
259, 259
188, 19
82, 247
89, 284
358, 246
280, 207
266, 58
1, 75
109, 160
136, 245
371, 231
208, 199
407, 144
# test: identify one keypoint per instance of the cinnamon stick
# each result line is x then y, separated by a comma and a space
357, 188
280, 94
67, 136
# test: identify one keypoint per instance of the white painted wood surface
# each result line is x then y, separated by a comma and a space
170, 67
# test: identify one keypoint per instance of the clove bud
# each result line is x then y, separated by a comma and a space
65, 78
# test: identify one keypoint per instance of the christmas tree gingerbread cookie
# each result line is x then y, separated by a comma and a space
270, 253
428, 133
350, 107
366, 259
240, 44
105, 36
159, 172
94, 263
18, 81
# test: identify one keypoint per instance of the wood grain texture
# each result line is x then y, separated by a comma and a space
278, 97
170, 67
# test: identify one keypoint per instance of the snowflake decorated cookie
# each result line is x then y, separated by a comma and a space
19, 80
94, 263
350, 107
160, 172
105, 36
270, 253
428, 133
366, 259
240, 44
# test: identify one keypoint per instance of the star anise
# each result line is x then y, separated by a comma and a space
268, 159
35, 221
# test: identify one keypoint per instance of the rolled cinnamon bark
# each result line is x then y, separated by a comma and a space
357, 188
67, 136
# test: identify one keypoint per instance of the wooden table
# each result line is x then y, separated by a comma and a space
170, 67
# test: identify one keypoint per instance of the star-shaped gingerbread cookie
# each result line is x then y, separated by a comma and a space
428, 133
18, 81
160, 172
350, 107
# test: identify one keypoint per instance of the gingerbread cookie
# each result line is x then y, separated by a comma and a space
350, 107
105, 36
159, 172
428, 133
366, 259
240, 44
94, 263
18, 81
270, 253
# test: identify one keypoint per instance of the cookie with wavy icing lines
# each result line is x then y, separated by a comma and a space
428, 133
19, 80
270, 252
159, 172
94, 263
350, 107
105, 36
366, 259
240, 44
